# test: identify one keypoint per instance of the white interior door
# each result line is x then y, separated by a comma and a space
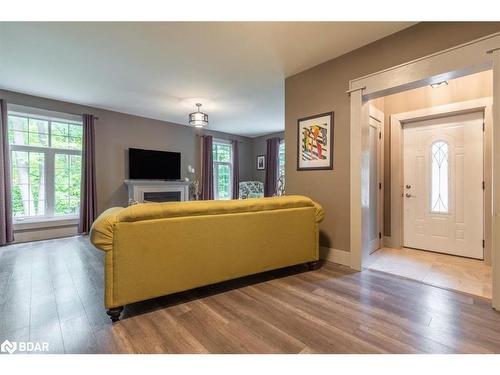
443, 185
375, 122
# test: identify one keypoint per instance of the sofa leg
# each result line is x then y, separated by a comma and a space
114, 313
313, 265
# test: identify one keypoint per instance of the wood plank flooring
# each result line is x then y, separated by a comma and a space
52, 291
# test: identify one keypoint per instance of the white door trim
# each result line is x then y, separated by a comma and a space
397, 189
461, 60
495, 135
357, 144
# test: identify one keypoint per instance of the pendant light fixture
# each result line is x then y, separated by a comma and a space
198, 119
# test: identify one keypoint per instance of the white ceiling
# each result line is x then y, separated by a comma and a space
159, 70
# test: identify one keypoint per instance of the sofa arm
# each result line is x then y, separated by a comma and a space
320, 212
101, 233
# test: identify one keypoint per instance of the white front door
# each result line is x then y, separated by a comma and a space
443, 185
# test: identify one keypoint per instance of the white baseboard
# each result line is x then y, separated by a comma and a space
389, 242
334, 255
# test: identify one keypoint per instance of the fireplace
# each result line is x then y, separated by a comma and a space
140, 191
162, 196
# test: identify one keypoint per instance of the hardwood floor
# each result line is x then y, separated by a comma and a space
446, 271
53, 291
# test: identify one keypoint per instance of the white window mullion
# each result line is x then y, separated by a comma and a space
216, 179
50, 134
230, 182
50, 182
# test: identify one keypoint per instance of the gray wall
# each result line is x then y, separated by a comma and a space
259, 148
323, 88
116, 132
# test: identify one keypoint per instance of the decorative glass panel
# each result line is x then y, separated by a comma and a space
439, 177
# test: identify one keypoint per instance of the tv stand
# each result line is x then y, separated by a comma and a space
142, 191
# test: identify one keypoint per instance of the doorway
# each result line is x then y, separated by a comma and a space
433, 233
472, 57
439, 177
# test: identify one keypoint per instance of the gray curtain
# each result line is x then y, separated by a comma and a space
6, 228
272, 154
236, 170
88, 201
207, 168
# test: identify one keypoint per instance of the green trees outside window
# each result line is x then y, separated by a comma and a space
223, 166
46, 165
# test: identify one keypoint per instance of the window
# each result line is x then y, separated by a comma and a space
223, 169
46, 164
281, 168
439, 177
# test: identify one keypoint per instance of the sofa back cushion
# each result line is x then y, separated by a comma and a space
153, 211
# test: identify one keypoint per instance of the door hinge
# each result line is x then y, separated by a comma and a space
483, 244
484, 125
380, 186
484, 185
380, 235
379, 135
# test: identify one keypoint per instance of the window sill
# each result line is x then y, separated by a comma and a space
38, 223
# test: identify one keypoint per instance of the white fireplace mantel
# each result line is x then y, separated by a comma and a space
137, 188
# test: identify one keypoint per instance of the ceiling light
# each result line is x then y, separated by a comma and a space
198, 119
439, 84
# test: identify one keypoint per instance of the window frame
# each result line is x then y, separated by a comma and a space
24, 222
215, 169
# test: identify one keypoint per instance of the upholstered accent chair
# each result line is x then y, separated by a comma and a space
251, 189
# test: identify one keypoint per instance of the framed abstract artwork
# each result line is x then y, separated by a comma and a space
261, 162
315, 142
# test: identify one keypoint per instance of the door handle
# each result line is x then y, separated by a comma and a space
408, 195
408, 186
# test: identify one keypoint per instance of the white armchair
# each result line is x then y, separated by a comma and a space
251, 189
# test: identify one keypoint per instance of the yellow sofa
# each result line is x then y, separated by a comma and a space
155, 249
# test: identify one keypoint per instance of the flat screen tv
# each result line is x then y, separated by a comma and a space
154, 165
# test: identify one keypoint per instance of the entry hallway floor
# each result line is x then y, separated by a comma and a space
52, 292
446, 271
